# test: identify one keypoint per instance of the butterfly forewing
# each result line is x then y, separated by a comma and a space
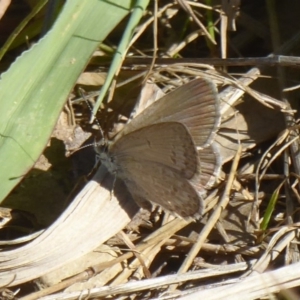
194, 104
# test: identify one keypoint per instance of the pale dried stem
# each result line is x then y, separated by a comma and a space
275, 247
212, 220
137, 286
3, 7
185, 5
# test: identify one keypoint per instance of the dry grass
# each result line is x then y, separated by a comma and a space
246, 243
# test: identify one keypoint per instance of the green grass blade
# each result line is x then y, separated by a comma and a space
137, 13
270, 208
34, 89
16, 34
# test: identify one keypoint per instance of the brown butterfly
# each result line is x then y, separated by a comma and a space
165, 154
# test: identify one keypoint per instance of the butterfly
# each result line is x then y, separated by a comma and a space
165, 155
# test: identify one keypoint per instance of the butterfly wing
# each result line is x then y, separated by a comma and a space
194, 104
168, 144
162, 186
210, 163
156, 163
210, 166
155, 154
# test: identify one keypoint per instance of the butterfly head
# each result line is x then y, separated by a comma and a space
102, 150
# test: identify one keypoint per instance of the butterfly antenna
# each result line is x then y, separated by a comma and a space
82, 94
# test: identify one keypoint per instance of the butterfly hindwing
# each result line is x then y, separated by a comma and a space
166, 188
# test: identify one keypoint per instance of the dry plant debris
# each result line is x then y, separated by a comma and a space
246, 244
